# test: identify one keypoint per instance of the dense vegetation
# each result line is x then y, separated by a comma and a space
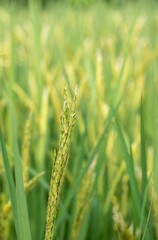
110, 187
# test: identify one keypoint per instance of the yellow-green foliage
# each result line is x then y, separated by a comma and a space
60, 161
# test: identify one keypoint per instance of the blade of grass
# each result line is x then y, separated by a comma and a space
143, 209
11, 184
114, 184
84, 228
147, 221
95, 217
130, 169
143, 150
22, 210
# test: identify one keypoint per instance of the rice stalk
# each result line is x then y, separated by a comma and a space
61, 157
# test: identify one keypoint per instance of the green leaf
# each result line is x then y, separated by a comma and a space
143, 209
143, 150
11, 184
22, 211
130, 169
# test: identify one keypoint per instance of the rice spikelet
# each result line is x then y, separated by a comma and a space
61, 157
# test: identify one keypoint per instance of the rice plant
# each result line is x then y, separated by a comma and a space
80, 165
